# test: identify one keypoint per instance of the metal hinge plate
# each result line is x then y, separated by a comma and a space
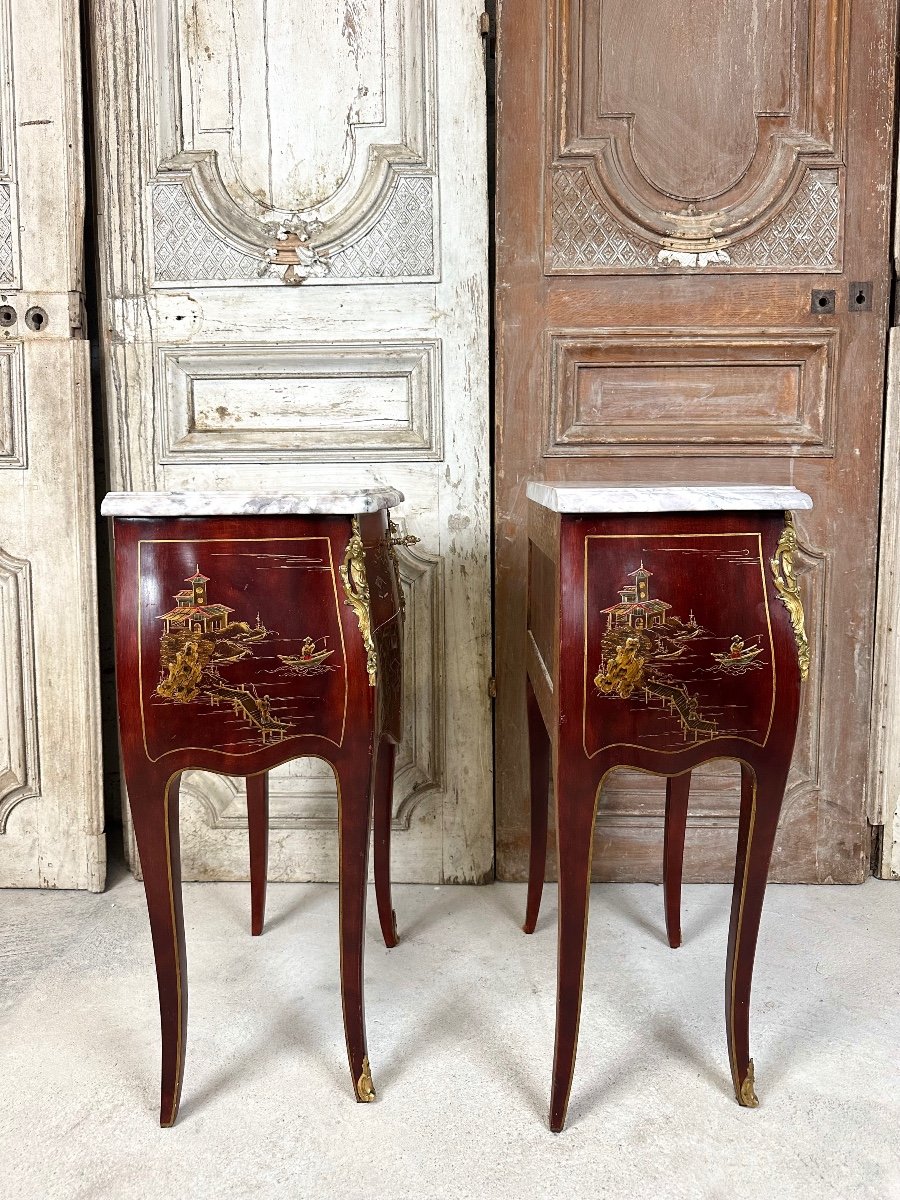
492, 687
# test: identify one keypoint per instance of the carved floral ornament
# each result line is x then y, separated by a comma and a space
788, 589
356, 591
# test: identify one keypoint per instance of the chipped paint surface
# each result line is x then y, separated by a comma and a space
246, 76
316, 129
51, 785
681, 258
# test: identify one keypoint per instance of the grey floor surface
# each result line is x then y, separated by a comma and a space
460, 1023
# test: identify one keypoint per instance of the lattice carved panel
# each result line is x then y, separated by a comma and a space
724, 151
7, 246
399, 245
9, 239
585, 237
260, 177
187, 250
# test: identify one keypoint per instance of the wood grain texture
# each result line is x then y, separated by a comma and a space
648, 391
683, 178
824, 834
51, 802
222, 369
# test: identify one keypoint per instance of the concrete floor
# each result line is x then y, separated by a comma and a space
460, 1021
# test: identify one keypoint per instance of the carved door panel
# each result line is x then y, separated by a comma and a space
294, 273
51, 802
693, 285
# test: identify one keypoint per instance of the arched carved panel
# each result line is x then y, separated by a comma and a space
260, 177
709, 137
302, 794
19, 776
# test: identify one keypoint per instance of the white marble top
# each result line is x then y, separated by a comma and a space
309, 502
639, 498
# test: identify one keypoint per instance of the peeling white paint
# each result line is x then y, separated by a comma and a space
680, 258
254, 386
51, 780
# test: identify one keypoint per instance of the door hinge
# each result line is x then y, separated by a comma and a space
894, 316
484, 24
77, 319
492, 687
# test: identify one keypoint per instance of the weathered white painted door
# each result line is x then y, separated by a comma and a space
293, 221
51, 803
884, 743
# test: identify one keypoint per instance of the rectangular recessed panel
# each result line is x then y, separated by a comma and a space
762, 395
364, 401
702, 392
12, 407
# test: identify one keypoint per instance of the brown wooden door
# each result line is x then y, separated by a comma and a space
682, 193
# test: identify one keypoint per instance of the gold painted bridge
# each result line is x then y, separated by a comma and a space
251, 707
684, 704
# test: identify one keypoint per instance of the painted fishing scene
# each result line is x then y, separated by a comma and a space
666, 663
312, 659
235, 671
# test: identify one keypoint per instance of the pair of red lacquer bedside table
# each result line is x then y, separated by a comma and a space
664, 629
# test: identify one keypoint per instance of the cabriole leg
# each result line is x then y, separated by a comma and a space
575, 805
539, 758
355, 787
677, 789
384, 793
761, 797
154, 809
258, 829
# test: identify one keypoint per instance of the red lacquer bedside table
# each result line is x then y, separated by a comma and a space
665, 629
252, 630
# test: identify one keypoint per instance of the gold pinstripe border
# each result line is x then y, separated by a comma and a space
653, 750
257, 541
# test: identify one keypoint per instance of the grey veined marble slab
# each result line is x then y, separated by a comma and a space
310, 502
640, 498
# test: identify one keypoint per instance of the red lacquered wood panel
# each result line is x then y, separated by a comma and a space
675, 646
